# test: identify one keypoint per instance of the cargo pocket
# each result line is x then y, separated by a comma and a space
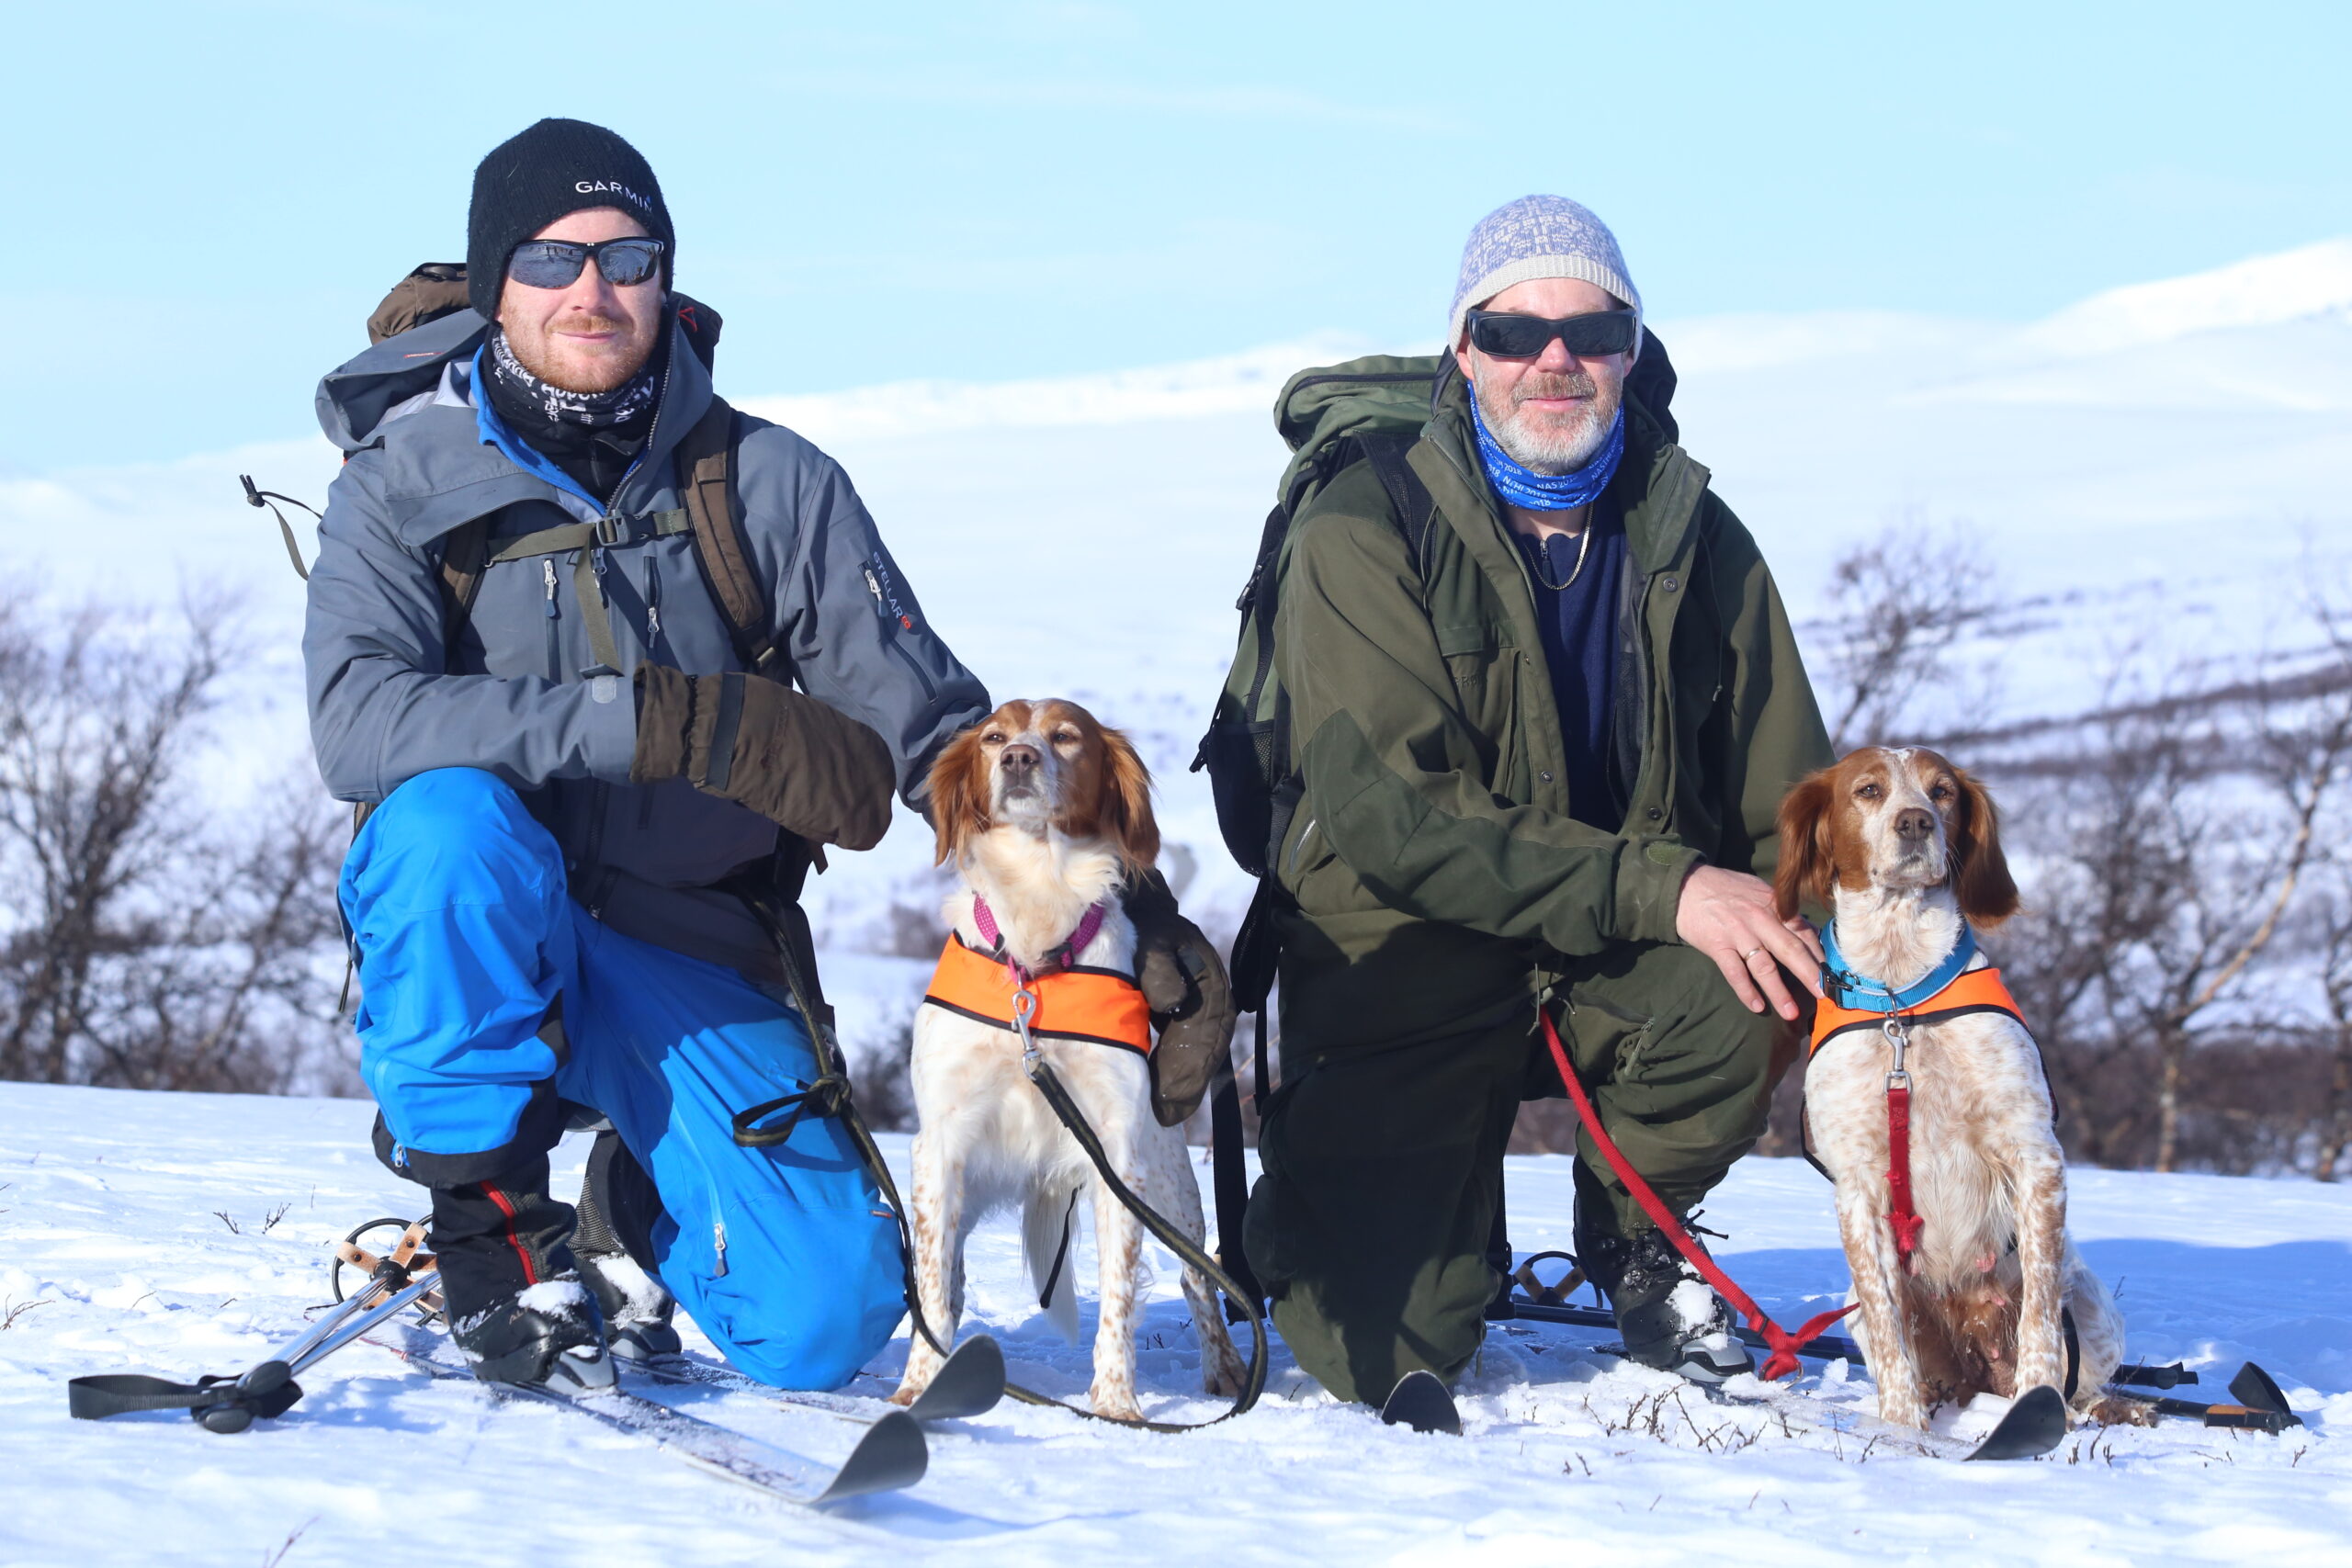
1606, 1042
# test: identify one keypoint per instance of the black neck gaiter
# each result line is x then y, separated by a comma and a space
593, 436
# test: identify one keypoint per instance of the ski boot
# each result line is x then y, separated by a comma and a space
634, 1306
612, 1244
1671, 1319
516, 1306
545, 1336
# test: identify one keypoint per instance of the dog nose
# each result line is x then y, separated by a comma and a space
1914, 824
1019, 758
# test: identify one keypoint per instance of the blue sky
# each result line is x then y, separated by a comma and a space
209, 199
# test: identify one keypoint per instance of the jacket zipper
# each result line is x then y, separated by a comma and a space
652, 602
555, 650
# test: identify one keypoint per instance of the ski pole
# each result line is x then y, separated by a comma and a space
390, 1307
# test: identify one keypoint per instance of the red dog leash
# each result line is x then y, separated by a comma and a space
1784, 1345
1973, 991
1900, 1214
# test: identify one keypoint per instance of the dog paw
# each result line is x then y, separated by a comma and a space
1223, 1375
908, 1394
1114, 1404
1899, 1407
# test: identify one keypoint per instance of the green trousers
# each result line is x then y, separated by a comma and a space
1383, 1166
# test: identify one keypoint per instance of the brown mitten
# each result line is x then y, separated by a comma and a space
1183, 983
758, 742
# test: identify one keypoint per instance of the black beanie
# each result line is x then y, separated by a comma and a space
537, 176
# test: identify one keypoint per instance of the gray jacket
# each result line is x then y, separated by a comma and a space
390, 700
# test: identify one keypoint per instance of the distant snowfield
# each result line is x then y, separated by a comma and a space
107, 1218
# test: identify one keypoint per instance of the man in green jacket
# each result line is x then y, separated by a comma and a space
1541, 753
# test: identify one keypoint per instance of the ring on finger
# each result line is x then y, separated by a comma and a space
1749, 956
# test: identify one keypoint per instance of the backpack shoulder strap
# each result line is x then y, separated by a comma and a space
706, 479
1409, 499
465, 550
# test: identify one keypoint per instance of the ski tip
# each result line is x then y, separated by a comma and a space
1421, 1401
970, 1383
2259, 1389
2033, 1425
891, 1456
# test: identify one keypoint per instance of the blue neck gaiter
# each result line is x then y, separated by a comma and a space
1548, 492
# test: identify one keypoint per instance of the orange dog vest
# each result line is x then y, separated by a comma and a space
1100, 1007
1977, 990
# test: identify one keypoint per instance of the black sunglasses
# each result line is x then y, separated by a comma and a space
556, 264
1523, 337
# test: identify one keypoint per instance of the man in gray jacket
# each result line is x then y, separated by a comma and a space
582, 760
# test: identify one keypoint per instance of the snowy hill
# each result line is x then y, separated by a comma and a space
112, 1259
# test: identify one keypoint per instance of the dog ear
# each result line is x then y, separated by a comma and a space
1988, 895
1124, 810
1807, 866
958, 798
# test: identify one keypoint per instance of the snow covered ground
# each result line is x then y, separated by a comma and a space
107, 1221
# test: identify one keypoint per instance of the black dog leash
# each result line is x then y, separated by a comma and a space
829, 1095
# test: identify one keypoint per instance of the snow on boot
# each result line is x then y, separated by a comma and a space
516, 1306
636, 1307
612, 1242
1671, 1319
545, 1336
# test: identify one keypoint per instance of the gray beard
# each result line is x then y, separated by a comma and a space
1549, 449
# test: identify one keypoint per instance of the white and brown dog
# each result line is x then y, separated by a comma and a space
1966, 1297
1042, 811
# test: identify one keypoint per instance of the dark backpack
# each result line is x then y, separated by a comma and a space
1370, 409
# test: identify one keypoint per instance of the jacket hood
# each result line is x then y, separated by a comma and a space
355, 397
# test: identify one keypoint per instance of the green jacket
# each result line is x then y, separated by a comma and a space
1438, 878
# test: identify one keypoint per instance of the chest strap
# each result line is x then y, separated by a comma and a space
1979, 991
1100, 1007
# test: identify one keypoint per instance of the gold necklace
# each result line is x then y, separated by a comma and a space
1543, 556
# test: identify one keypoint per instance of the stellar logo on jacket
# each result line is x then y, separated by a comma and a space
885, 589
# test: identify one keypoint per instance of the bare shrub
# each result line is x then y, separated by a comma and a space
2162, 841
147, 944
2334, 931
1899, 610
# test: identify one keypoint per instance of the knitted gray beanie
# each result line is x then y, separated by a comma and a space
1539, 236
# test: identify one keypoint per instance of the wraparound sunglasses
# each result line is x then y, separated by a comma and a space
1506, 336
556, 263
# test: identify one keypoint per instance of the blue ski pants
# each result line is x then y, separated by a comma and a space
488, 997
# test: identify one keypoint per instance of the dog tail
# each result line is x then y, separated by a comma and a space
1049, 1240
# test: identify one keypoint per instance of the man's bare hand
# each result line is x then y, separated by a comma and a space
1730, 918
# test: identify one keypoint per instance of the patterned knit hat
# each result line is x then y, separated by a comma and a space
1539, 236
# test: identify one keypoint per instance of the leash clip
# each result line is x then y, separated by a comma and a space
1897, 1029
1024, 1007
